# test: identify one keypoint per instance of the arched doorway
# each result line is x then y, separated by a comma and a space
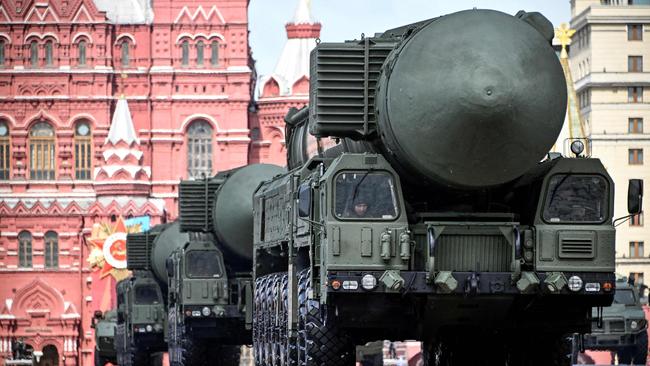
50, 356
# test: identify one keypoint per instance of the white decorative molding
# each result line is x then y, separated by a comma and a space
200, 11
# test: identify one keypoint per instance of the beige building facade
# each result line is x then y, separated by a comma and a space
610, 63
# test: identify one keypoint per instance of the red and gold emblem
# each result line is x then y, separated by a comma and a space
108, 248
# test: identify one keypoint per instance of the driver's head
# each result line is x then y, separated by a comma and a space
360, 208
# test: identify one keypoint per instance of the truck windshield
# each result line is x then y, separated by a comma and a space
146, 295
365, 195
576, 198
203, 264
625, 297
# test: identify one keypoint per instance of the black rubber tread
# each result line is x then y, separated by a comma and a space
637, 354
290, 354
227, 355
258, 321
322, 343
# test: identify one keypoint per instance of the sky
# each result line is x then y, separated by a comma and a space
348, 19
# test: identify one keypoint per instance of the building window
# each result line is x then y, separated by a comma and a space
125, 53
33, 53
4, 150
2, 52
636, 249
635, 125
634, 32
214, 53
51, 250
635, 63
637, 277
637, 220
82, 147
82, 53
635, 94
199, 149
584, 98
24, 249
636, 156
41, 152
199, 53
185, 53
48, 53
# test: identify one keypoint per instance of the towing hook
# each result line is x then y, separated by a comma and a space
471, 284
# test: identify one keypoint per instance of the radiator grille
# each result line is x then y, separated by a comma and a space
195, 202
617, 326
343, 81
485, 253
138, 250
576, 248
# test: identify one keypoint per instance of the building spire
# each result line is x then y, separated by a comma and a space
122, 125
303, 13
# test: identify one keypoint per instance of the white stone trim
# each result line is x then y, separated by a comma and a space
199, 97
4, 35
197, 35
122, 35
41, 36
212, 120
41, 16
201, 11
76, 16
82, 34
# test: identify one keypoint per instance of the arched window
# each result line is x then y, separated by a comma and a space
33, 53
2, 51
82, 53
199, 53
125, 53
41, 152
199, 149
5, 147
82, 147
185, 53
214, 53
24, 249
51, 250
49, 45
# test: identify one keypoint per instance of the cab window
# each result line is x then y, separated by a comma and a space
146, 295
203, 264
625, 297
365, 195
576, 198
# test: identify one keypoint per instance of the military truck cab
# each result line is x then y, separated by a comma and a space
104, 325
622, 328
141, 320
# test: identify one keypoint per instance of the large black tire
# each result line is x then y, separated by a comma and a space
99, 360
258, 320
637, 354
228, 356
544, 349
321, 341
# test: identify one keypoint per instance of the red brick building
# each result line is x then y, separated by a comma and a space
104, 106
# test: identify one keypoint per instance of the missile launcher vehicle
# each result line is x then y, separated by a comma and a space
421, 203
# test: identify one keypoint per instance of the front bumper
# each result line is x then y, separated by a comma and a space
468, 283
611, 341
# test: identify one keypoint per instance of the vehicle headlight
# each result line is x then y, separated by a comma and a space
575, 283
205, 311
149, 328
634, 324
368, 282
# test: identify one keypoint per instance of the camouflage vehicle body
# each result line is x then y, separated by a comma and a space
104, 326
207, 275
624, 328
430, 216
141, 320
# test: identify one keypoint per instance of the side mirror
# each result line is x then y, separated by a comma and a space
120, 316
169, 265
304, 201
635, 196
